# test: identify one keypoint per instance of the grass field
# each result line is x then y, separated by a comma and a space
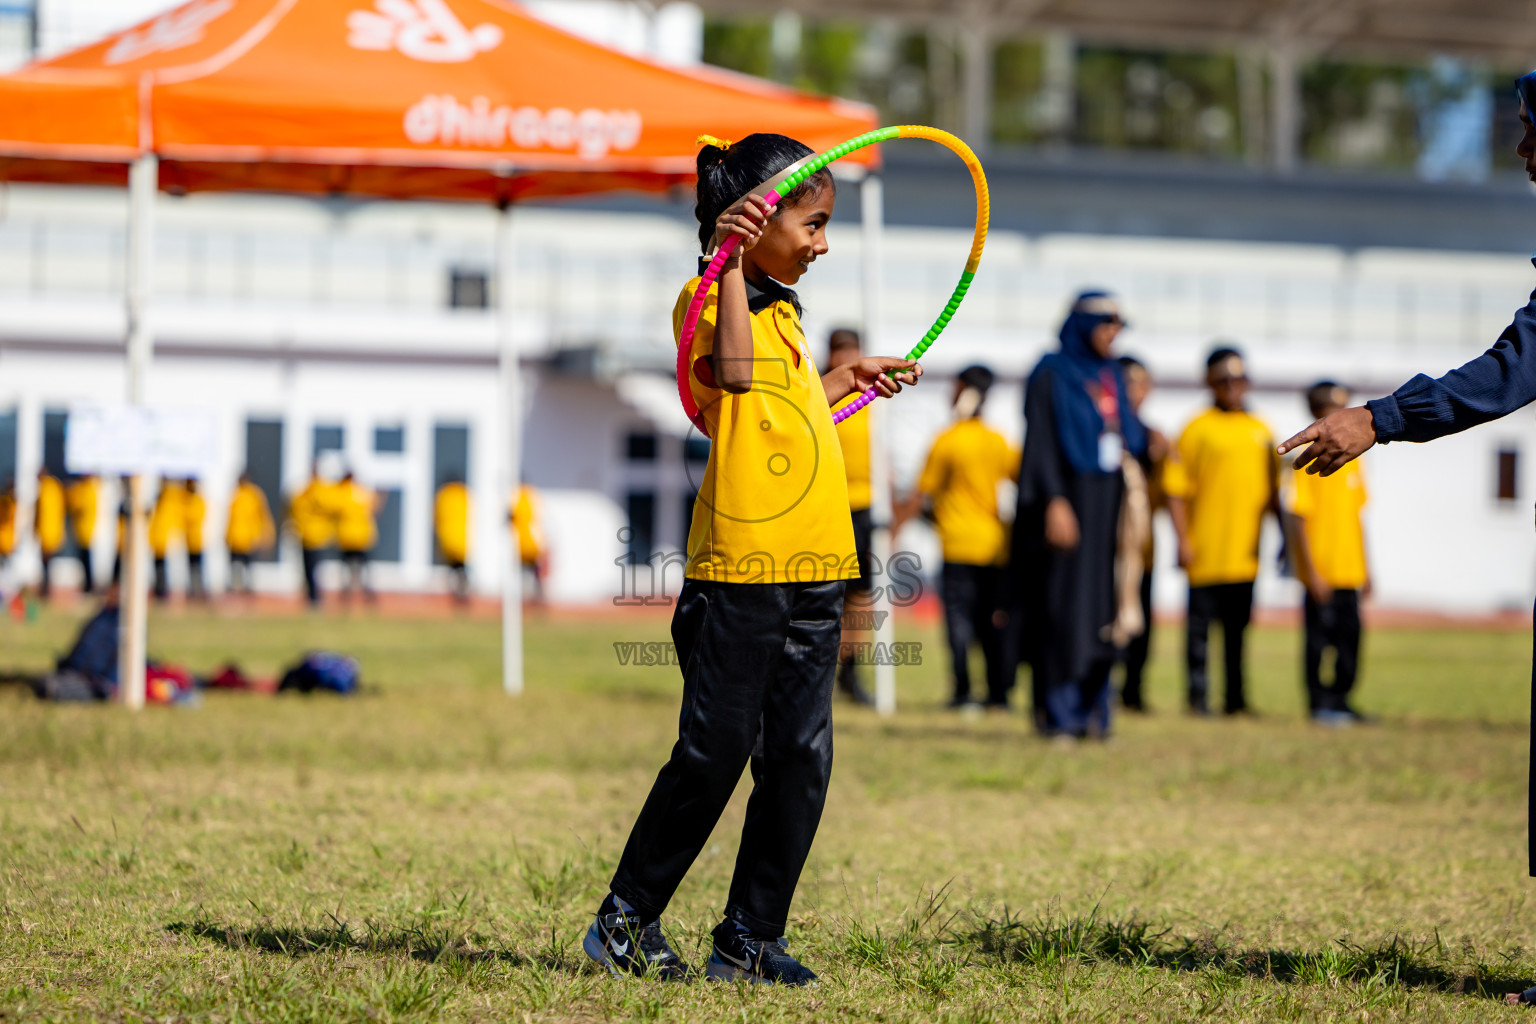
430, 850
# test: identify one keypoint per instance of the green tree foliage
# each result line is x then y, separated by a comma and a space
741, 44
1354, 113
1016, 82
1358, 115
1139, 99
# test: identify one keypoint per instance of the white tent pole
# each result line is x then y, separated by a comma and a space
511, 457
872, 203
133, 597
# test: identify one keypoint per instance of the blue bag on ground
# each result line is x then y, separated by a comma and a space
322, 670
89, 671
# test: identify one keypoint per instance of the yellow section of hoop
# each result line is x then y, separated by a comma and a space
978, 178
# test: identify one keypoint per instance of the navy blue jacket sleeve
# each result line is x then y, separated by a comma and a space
1494, 384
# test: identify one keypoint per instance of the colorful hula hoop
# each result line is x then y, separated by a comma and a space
816, 163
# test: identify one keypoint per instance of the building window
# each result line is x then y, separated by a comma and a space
468, 289
696, 449
328, 438
7, 447
640, 447
1508, 475
389, 439
641, 509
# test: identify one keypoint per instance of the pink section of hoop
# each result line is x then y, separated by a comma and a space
691, 324
855, 405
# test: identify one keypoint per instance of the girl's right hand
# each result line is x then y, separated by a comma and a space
744, 219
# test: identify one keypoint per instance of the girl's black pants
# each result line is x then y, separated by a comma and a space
758, 661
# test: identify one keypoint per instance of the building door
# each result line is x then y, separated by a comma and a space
264, 465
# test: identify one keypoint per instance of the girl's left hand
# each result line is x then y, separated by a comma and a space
885, 374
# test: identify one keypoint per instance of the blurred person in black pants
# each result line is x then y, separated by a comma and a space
844, 347
959, 485
1221, 481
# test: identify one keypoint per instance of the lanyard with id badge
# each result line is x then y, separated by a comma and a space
1111, 444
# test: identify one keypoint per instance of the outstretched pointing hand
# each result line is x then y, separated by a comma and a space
1335, 440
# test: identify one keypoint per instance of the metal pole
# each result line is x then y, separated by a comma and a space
1250, 104
1285, 105
976, 42
511, 454
133, 598
872, 203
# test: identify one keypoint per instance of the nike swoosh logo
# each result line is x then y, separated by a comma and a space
619, 948
745, 965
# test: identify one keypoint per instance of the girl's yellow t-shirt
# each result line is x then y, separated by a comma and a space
450, 521
166, 520
772, 506
48, 516
250, 520
81, 497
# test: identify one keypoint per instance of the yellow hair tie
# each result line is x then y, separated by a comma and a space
710, 140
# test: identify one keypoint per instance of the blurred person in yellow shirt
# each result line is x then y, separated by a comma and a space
959, 485
194, 512
313, 515
1328, 548
82, 499
249, 529
48, 523
7, 522
450, 523
1221, 480
356, 532
844, 347
166, 523
526, 522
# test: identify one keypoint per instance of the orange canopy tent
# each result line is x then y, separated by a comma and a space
395, 99
446, 99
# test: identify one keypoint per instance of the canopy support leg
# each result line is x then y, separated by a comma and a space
133, 597
872, 203
511, 457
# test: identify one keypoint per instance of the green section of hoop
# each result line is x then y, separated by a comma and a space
943, 321
836, 153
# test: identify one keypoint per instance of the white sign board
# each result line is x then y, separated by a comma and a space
130, 439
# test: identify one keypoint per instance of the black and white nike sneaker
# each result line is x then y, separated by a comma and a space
741, 956
623, 943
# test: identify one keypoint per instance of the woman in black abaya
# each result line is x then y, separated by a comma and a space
1079, 425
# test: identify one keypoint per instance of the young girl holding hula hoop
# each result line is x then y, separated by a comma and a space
757, 623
